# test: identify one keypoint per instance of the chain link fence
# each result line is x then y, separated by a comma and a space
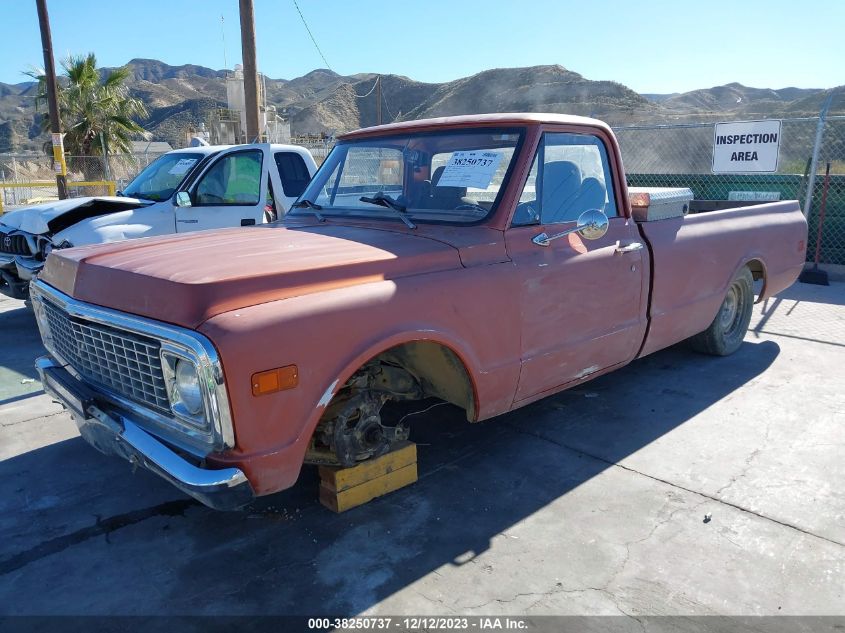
319, 147
29, 178
654, 156
681, 156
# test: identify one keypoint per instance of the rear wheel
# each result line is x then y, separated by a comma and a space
726, 332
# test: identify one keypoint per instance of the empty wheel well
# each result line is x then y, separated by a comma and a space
362, 420
439, 371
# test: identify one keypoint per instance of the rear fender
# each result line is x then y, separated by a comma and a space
755, 262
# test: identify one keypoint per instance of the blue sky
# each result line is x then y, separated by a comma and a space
651, 46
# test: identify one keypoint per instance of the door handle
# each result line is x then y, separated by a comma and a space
628, 248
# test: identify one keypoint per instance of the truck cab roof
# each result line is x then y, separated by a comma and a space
473, 120
206, 150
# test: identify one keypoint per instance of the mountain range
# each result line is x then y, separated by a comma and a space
324, 102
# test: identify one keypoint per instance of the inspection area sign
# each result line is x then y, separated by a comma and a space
746, 146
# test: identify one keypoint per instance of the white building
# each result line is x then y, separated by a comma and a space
232, 129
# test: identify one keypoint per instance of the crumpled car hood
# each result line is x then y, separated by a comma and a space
187, 279
52, 217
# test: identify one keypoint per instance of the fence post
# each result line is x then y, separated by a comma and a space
814, 163
106, 170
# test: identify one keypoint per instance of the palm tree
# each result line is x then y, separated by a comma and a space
98, 115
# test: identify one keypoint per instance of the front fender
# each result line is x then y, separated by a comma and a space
329, 335
408, 333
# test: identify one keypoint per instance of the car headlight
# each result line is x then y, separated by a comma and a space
46, 246
187, 385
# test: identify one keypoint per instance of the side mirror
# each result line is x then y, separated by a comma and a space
591, 225
183, 199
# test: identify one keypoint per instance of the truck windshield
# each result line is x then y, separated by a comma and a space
453, 176
162, 177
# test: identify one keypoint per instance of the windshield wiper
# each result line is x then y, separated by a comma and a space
386, 201
315, 208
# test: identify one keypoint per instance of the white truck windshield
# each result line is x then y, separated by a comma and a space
160, 179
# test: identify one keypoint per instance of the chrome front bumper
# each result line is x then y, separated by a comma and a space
113, 434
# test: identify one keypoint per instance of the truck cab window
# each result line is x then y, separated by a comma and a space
575, 177
235, 179
292, 172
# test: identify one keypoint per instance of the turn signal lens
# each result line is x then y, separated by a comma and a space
274, 380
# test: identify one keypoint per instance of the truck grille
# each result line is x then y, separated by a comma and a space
14, 244
125, 363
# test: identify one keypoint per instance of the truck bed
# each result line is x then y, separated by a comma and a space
687, 253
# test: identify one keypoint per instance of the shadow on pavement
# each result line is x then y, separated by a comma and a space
20, 344
112, 543
834, 294
803, 312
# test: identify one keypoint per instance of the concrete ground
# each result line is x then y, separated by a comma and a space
682, 484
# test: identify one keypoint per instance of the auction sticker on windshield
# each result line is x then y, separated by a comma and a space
470, 169
181, 166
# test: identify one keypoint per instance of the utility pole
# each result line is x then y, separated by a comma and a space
250, 69
52, 97
378, 100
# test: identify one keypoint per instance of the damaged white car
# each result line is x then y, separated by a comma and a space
190, 189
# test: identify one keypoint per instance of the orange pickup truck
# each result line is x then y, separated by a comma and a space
486, 261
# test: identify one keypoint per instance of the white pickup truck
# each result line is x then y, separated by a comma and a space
190, 189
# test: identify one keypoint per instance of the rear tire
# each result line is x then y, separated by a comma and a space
727, 331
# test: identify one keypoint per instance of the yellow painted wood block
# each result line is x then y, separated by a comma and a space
361, 494
342, 489
338, 478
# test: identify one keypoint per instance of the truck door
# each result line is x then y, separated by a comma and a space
293, 171
583, 302
231, 191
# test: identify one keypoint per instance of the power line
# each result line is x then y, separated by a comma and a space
223, 35
375, 83
317, 46
383, 98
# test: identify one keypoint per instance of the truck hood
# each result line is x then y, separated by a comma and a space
52, 217
187, 279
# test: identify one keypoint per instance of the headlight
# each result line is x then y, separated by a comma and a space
188, 386
46, 246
